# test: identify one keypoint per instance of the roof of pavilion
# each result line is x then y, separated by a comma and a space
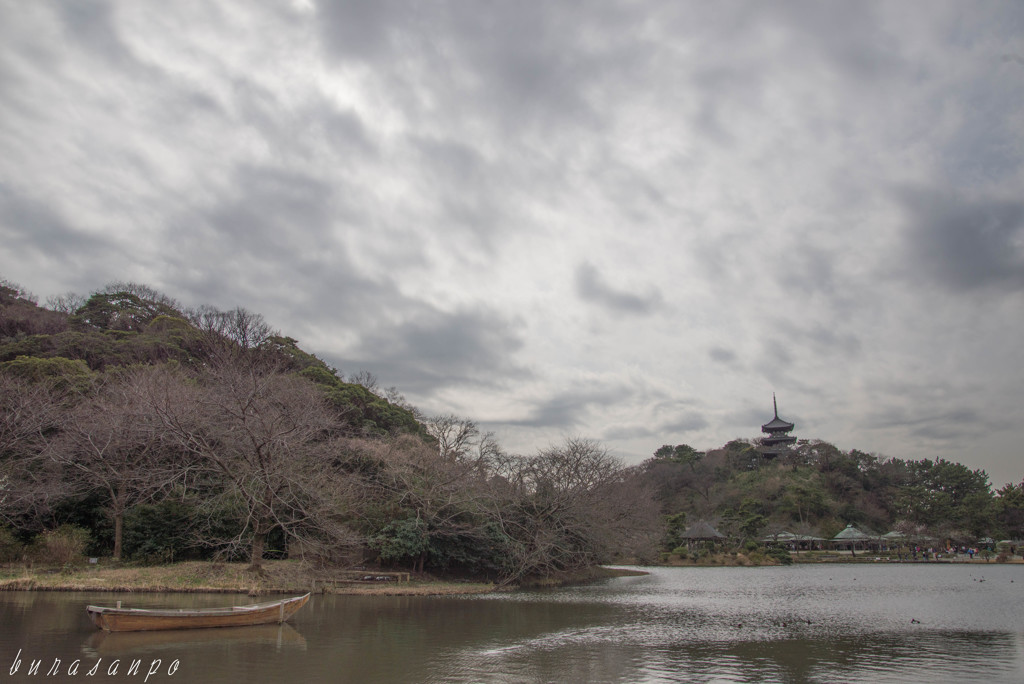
791, 537
851, 533
702, 530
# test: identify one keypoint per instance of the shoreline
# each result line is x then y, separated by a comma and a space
872, 560
292, 577
276, 577
204, 577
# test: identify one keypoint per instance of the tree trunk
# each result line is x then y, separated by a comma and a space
118, 502
259, 540
118, 534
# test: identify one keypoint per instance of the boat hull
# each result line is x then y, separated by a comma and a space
141, 619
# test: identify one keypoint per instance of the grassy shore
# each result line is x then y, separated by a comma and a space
205, 577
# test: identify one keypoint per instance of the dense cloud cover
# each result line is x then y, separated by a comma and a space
631, 221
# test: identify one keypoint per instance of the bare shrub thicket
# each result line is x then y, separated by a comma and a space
61, 546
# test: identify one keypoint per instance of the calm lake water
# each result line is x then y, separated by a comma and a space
831, 623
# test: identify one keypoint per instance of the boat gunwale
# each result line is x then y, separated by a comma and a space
251, 609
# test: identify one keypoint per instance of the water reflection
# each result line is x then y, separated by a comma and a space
800, 624
835, 623
121, 644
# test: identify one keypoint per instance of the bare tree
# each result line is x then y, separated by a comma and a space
439, 500
67, 303
140, 290
11, 289
109, 440
268, 437
365, 379
570, 507
455, 436
398, 399
230, 334
28, 414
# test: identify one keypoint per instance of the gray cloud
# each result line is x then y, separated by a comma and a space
965, 243
592, 287
572, 408
360, 29
685, 423
531, 66
29, 224
722, 355
944, 424
90, 23
33, 230
432, 350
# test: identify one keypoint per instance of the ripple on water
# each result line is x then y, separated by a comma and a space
830, 623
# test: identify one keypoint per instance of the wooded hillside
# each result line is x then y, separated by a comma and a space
817, 489
135, 428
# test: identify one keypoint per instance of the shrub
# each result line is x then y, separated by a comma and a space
780, 554
66, 544
158, 533
10, 547
751, 546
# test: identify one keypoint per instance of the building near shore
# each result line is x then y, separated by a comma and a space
854, 539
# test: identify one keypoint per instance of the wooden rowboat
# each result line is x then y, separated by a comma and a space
144, 619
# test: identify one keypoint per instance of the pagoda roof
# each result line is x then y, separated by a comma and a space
776, 424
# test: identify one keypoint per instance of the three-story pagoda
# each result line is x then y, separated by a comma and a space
777, 438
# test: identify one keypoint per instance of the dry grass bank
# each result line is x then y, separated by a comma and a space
205, 577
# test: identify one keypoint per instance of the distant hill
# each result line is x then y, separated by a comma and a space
818, 489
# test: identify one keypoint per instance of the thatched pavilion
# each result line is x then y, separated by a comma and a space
851, 537
795, 542
701, 531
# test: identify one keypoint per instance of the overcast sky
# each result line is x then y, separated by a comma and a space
632, 221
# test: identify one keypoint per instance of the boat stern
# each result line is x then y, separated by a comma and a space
97, 617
